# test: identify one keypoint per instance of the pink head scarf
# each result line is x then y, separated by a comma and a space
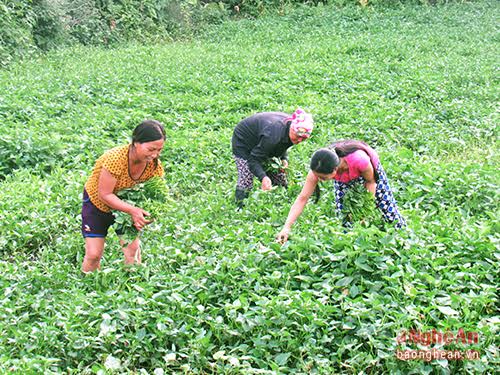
301, 123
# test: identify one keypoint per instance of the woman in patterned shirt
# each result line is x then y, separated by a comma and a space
117, 169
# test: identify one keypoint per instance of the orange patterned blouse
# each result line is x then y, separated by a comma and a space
115, 161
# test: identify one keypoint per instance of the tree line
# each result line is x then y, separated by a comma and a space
31, 26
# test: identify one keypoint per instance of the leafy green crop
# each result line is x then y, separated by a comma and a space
149, 196
215, 293
359, 206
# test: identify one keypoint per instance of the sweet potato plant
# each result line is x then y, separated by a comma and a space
215, 293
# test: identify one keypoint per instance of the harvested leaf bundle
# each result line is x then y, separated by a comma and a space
359, 206
149, 196
274, 165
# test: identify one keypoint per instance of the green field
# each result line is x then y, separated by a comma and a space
216, 294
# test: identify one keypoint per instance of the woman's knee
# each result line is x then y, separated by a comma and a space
94, 250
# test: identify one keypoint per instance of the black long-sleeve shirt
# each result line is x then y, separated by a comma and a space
261, 137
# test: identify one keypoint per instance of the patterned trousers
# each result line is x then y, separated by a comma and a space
384, 198
245, 176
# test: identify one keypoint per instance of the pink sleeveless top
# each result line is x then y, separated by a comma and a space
357, 162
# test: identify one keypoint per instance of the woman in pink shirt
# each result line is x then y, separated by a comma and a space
347, 163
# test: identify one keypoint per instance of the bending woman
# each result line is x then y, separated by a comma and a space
347, 163
260, 137
119, 168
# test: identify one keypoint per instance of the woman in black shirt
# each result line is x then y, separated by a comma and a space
259, 138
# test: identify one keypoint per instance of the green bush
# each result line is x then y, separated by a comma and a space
16, 30
48, 28
26, 27
86, 24
35, 212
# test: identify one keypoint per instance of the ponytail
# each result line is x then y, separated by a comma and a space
317, 193
325, 161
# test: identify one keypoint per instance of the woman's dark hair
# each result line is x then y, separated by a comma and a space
325, 160
148, 131
347, 147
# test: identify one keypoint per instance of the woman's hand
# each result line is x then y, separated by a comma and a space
107, 183
266, 184
282, 236
138, 218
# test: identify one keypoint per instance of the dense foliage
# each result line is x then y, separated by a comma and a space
30, 26
217, 294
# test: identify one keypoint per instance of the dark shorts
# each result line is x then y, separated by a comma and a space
95, 223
